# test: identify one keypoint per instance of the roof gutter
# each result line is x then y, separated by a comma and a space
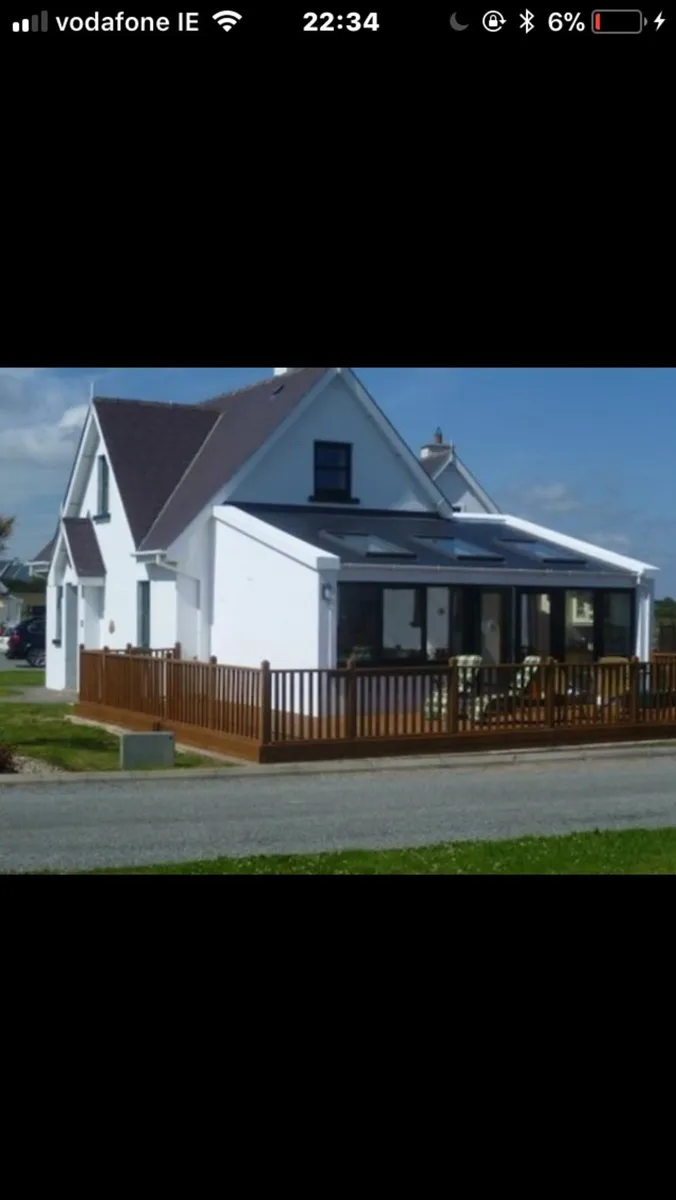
468, 565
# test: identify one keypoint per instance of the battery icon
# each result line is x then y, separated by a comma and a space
618, 20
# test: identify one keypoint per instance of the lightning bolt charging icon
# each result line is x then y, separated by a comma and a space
659, 22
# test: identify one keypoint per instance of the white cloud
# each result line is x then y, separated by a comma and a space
611, 541
552, 498
41, 415
45, 443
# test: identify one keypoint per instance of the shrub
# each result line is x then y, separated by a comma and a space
8, 763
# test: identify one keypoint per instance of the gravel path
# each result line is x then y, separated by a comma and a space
36, 766
108, 823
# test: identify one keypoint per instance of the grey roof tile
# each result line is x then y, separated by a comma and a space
403, 529
84, 547
45, 554
244, 421
150, 447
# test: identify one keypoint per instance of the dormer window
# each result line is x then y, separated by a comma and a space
103, 487
333, 473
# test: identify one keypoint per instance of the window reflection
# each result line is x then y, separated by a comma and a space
535, 625
617, 624
402, 626
358, 622
579, 628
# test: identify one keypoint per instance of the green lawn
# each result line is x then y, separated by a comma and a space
631, 852
41, 731
12, 682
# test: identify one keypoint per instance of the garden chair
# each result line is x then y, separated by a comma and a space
524, 679
467, 667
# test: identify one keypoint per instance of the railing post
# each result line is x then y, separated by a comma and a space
177, 650
634, 670
550, 669
129, 648
351, 700
266, 704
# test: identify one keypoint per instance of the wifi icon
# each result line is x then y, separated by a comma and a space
227, 19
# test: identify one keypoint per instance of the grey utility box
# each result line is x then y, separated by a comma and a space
143, 750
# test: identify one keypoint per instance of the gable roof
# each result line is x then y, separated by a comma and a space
84, 547
45, 554
440, 457
170, 460
244, 420
150, 446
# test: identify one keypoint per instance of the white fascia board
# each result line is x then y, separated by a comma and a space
632, 565
396, 442
283, 543
487, 577
60, 547
299, 411
83, 457
472, 483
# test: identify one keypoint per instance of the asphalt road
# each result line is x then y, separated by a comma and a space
125, 823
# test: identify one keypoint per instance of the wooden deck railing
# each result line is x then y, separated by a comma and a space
274, 715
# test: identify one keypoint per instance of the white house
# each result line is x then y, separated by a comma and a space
289, 521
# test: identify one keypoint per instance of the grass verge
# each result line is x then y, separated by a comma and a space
12, 682
630, 852
41, 731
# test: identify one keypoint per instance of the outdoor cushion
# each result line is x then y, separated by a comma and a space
467, 666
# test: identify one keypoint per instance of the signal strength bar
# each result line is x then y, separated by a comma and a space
36, 24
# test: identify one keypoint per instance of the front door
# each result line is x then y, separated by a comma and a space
72, 637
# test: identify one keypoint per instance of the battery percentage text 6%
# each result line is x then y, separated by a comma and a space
570, 20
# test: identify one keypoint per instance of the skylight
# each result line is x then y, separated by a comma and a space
463, 551
370, 546
543, 551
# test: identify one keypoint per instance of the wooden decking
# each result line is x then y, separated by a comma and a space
271, 716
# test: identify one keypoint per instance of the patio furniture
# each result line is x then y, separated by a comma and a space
525, 677
467, 667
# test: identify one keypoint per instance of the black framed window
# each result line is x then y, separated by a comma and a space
143, 614
333, 472
103, 499
388, 624
359, 623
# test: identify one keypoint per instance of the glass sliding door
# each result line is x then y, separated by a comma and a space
534, 624
617, 624
403, 623
359, 624
492, 632
438, 632
579, 627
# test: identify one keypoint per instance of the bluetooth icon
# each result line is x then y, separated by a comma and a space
527, 20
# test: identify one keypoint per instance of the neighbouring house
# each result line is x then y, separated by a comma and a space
17, 595
39, 566
289, 521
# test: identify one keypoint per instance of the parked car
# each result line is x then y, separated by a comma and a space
27, 641
5, 631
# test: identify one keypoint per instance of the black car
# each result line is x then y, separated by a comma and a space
28, 642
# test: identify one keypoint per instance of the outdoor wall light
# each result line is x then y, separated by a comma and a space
328, 592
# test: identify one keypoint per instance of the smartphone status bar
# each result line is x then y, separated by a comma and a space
250, 22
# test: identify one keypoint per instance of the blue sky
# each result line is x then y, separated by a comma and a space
585, 451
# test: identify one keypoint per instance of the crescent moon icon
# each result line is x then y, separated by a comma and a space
455, 24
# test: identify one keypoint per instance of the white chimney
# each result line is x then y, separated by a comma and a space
283, 370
